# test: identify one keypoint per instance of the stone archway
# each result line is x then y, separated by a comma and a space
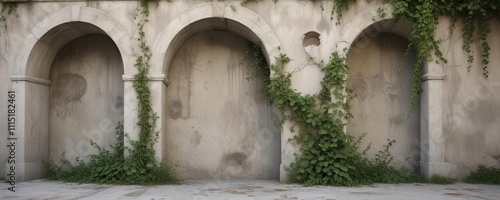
431, 117
202, 19
380, 74
31, 77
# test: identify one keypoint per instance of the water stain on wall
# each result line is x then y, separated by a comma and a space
67, 89
175, 109
196, 139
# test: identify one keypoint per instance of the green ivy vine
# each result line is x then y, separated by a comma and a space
339, 6
425, 14
141, 165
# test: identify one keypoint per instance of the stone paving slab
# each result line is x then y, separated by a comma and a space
245, 189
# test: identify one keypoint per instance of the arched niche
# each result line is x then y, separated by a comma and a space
85, 97
31, 79
380, 71
193, 26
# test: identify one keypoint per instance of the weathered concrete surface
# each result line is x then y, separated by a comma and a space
251, 189
219, 122
458, 118
380, 77
471, 106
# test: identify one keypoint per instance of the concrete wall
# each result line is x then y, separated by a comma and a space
380, 77
450, 119
219, 123
471, 105
86, 97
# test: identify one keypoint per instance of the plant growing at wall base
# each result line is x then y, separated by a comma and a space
105, 167
484, 175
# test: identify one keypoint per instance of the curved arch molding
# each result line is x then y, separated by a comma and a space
232, 18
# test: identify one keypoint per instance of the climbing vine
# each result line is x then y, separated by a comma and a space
141, 165
425, 13
339, 6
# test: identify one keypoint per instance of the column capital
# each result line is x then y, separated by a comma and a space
433, 76
33, 79
151, 77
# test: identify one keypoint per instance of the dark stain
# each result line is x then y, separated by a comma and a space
479, 197
474, 142
454, 194
366, 193
397, 119
233, 159
360, 86
119, 102
485, 111
324, 25
473, 189
393, 96
196, 139
68, 88
175, 109
135, 193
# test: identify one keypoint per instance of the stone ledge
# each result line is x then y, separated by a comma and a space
428, 76
156, 77
32, 79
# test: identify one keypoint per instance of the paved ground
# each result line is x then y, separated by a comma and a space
248, 189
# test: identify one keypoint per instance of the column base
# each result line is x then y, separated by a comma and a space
445, 169
283, 174
25, 171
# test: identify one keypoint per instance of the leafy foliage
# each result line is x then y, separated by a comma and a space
258, 67
340, 6
484, 175
109, 167
245, 2
328, 156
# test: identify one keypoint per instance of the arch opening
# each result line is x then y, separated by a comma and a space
70, 80
85, 97
380, 76
218, 122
